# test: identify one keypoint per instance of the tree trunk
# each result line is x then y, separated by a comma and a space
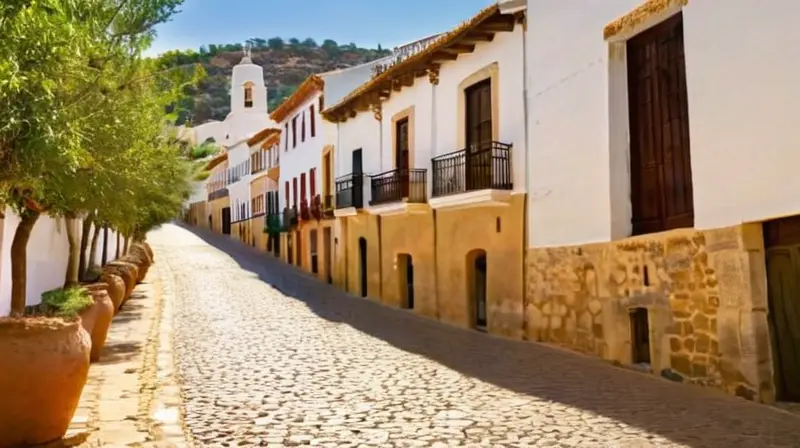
73, 264
125, 248
105, 246
87, 227
19, 261
119, 243
92, 252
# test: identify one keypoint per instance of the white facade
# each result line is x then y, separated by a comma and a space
48, 252
301, 152
248, 116
742, 62
435, 118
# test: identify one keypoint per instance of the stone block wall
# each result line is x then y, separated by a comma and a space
704, 292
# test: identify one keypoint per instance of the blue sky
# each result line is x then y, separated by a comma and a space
364, 22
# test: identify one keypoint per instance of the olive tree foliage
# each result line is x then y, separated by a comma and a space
82, 127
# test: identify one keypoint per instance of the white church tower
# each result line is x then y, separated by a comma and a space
248, 92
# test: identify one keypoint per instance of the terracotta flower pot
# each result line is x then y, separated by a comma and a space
149, 250
89, 317
116, 288
129, 273
44, 363
103, 315
140, 251
141, 262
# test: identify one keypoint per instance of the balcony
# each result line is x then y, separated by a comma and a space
350, 192
274, 224
399, 186
481, 175
289, 217
305, 210
221, 193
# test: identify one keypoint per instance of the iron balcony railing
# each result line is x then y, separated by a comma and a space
221, 193
350, 191
484, 166
289, 217
399, 184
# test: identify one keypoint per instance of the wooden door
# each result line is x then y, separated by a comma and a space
326, 241
403, 155
478, 123
362, 260
661, 172
226, 220
358, 179
782, 241
479, 291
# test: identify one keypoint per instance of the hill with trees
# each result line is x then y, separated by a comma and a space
286, 63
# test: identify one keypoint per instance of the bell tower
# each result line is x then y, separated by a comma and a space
248, 92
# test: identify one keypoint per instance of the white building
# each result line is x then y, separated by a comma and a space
248, 116
663, 203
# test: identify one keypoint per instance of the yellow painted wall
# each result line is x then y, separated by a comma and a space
284, 247
340, 253
257, 225
412, 234
306, 227
366, 226
198, 216
215, 210
460, 231
705, 293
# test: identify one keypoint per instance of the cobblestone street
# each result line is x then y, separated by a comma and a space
269, 357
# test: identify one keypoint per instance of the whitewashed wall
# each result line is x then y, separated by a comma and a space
239, 190
48, 252
361, 131
742, 64
306, 155
420, 96
506, 49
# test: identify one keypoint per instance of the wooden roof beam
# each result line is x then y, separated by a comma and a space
442, 56
503, 23
479, 37
459, 48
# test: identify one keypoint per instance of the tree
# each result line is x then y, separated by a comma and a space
58, 117
309, 43
294, 42
276, 43
330, 45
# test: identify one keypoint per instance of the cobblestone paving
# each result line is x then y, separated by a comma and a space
270, 357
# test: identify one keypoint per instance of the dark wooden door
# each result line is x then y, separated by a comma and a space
362, 260
661, 171
782, 241
358, 179
402, 163
410, 282
226, 220
479, 135
481, 317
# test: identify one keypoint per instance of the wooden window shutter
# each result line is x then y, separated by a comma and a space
313, 123
302, 126
303, 185
294, 191
312, 174
287, 192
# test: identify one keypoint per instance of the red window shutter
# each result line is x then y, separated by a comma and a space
294, 132
286, 184
294, 191
286, 138
313, 123
303, 127
312, 174
303, 186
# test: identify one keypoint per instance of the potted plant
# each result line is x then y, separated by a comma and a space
44, 363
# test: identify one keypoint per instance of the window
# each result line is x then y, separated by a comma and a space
313, 122
286, 192
294, 192
321, 103
286, 138
479, 115
303, 186
248, 95
326, 173
294, 132
303, 127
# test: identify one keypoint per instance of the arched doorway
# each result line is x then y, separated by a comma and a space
405, 270
476, 287
362, 261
